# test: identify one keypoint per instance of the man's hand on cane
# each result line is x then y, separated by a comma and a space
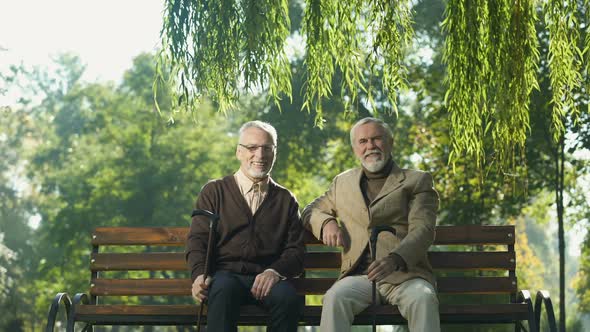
201, 288
385, 266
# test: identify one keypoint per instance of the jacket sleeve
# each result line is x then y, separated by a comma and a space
198, 236
422, 208
290, 262
321, 210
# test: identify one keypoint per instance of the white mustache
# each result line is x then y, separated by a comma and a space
373, 151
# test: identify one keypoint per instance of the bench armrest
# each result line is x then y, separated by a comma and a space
54, 309
524, 296
80, 298
543, 297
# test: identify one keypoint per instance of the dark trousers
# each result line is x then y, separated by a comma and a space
228, 291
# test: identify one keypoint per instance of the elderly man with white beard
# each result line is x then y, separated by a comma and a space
258, 243
379, 193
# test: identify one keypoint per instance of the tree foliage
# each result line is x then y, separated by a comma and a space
491, 52
214, 45
92, 154
17, 261
492, 42
100, 154
582, 280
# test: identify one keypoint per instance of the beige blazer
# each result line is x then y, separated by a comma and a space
408, 202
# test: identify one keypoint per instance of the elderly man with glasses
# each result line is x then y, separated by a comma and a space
258, 243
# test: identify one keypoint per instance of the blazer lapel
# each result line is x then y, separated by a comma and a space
394, 180
358, 207
357, 188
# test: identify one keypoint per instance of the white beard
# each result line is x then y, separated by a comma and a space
257, 174
374, 164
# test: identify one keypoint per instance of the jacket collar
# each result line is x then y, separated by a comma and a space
394, 180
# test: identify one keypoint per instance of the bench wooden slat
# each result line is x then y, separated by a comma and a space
474, 235
175, 261
192, 309
182, 287
460, 256
163, 236
454, 260
153, 261
449, 235
310, 286
477, 285
386, 314
460, 260
132, 287
461, 235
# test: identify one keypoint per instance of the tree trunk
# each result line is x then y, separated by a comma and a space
559, 183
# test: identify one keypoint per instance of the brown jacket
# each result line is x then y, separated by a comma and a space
407, 202
246, 243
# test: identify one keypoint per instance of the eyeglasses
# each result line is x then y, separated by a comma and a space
268, 148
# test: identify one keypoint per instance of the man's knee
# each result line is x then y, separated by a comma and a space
224, 286
423, 295
337, 297
348, 291
332, 296
427, 298
283, 294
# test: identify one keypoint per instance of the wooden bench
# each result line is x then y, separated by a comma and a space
138, 276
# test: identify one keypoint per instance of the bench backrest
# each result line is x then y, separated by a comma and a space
148, 262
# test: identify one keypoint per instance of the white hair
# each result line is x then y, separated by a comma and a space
267, 127
363, 121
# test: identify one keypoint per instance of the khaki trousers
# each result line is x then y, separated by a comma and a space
415, 298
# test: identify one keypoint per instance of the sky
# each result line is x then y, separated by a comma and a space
106, 34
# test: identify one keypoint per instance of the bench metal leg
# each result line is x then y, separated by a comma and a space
524, 296
54, 309
519, 326
78, 299
543, 297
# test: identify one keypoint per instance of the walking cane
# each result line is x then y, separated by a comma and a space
213, 219
373, 242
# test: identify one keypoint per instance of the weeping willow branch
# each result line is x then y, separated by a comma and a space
388, 40
363, 39
587, 47
493, 43
513, 77
492, 56
319, 53
215, 44
468, 68
564, 61
221, 48
347, 35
